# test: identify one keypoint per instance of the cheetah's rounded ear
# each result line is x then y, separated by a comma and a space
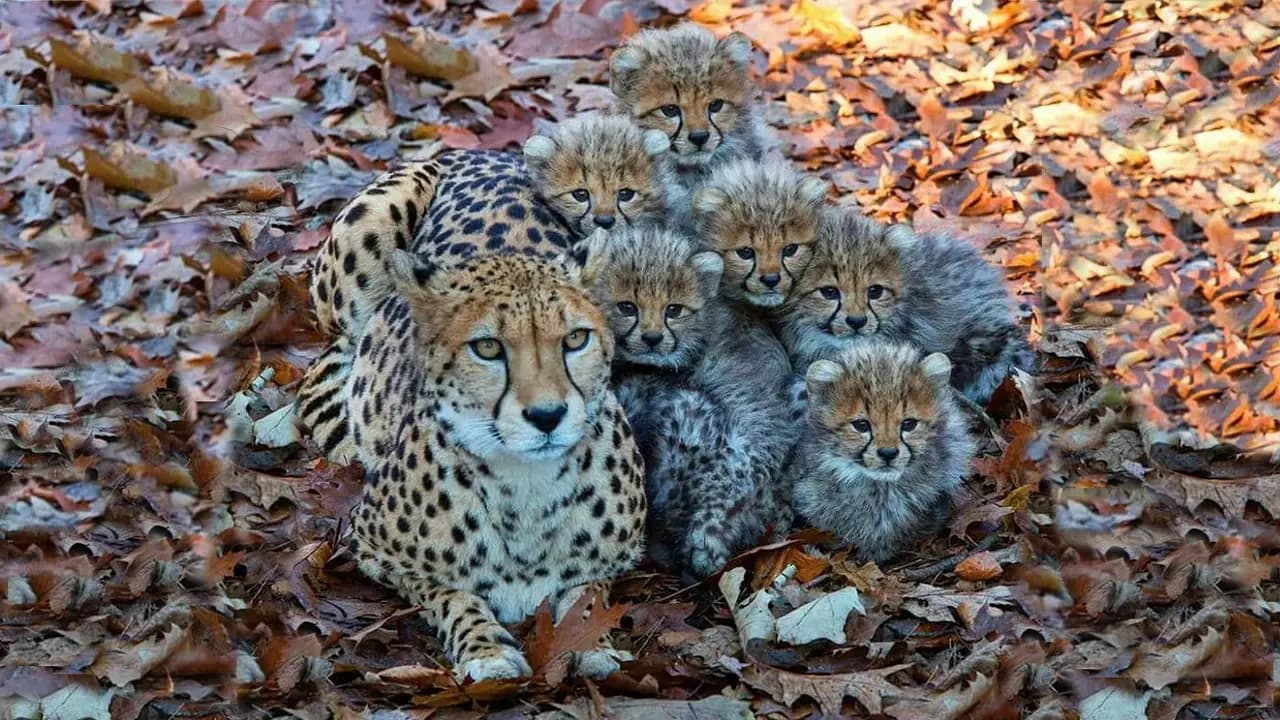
538, 149
625, 62
901, 237
409, 272
937, 367
821, 373
737, 47
813, 190
708, 200
656, 142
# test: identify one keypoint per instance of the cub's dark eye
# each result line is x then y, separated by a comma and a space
670, 110
626, 194
862, 426
790, 250
716, 106
674, 311
875, 292
830, 292
576, 340
487, 348
910, 424
746, 253
581, 195
628, 309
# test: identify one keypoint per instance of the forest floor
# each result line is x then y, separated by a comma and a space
168, 167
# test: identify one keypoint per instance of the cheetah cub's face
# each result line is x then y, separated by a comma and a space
602, 171
877, 407
518, 355
655, 290
761, 218
854, 285
689, 85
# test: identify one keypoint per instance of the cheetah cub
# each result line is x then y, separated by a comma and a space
706, 391
697, 90
871, 281
762, 219
500, 469
884, 449
598, 171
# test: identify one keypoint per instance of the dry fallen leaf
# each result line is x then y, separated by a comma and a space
980, 566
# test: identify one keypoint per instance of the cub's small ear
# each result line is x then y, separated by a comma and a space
625, 62
410, 272
708, 200
901, 237
813, 190
737, 47
538, 149
820, 374
656, 142
937, 367
709, 266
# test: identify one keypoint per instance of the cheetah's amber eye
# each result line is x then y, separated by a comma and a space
862, 426
746, 253
674, 311
830, 292
487, 348
875, 292
626, 194
790, 250
577, 339
581, 195
716, 106
670, 110
627, 309
909, 424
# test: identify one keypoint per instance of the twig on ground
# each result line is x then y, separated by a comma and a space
950, 562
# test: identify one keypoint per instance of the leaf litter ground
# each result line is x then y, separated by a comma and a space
169, 165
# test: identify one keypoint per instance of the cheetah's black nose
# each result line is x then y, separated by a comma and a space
652, 338
605, 221
699, 137
856, 322
545, 417
771, 280
887, 454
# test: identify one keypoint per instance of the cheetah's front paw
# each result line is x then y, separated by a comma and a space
600, 662
706, 553
495, 662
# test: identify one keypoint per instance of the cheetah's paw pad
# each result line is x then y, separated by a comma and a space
600, 662
501, 662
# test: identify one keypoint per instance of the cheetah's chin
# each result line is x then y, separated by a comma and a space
549, 451
697, 158
882, 473
769, 300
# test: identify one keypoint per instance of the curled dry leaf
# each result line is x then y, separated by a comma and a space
93, 58
982, 566
431, 58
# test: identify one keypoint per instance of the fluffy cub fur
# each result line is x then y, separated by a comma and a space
871, 281
694, 88
885, 447
500, 468
762, 219
705, 388
601, 171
